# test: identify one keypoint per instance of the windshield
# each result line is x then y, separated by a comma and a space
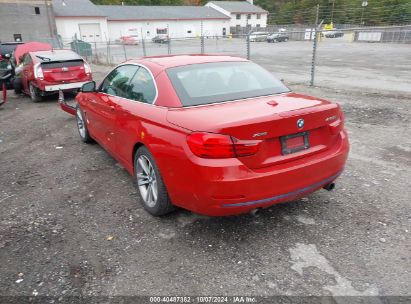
206, 83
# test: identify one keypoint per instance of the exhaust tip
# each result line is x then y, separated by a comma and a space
329, 187
254, 212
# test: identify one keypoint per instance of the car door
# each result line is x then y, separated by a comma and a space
102, 106
27, 71
136, 114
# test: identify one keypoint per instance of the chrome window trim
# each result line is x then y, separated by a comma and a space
144, 67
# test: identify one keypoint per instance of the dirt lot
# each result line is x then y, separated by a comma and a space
71, 223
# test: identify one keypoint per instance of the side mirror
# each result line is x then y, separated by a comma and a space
89, 87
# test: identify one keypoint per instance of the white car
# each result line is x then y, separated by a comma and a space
258, 36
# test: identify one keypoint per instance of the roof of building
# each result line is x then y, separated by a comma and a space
85, 8
238, 7
76, 8
119, 12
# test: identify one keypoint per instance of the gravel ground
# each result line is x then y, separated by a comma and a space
71, 222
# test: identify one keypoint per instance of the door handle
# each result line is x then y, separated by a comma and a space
112, 108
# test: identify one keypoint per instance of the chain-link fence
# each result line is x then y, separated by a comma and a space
344, 56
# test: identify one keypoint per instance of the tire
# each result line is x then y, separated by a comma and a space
17, 85
275, 40
3, 93
149, 183
82, 126
286, 39
34, 93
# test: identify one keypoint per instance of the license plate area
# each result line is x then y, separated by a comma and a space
294, 143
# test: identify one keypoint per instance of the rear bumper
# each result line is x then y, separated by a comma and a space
235, 189
64, 86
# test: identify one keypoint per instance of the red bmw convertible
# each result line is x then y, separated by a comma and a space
217, 135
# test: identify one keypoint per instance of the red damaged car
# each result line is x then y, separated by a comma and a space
217, 135
47, 72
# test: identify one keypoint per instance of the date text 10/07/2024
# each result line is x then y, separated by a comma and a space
203, 299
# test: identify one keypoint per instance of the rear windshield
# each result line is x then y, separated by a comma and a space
60, 64
206, 83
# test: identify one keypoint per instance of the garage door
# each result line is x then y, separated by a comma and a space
90, 32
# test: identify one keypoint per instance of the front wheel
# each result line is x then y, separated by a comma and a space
152, 190
34, 93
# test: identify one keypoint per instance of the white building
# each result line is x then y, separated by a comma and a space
241, 13
80, 18
91, 22
176, 21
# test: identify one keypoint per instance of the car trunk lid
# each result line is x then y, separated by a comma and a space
271, 119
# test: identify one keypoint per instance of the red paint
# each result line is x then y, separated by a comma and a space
24, 48
219, 180
52, 76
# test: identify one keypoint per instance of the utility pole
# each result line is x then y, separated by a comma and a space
364, 5
332, 12
314, 46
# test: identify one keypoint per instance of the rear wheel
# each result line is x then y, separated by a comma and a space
3, 97
17, 85
34, 93
82, 126
152, 190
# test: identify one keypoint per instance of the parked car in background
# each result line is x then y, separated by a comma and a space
278, 37
333, 34
47, 72
162, 38
6, 69
7, 48
129, 40
258, 36
218, 135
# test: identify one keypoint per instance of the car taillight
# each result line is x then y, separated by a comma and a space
87, 68
38, 71
211, 145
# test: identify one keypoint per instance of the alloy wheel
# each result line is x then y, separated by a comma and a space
80, 123
147, 181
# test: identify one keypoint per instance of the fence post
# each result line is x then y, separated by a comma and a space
108, 53
76, 44
248, 44
202, 38
125, 52
95, 53
168, 40
314, 47
143, 44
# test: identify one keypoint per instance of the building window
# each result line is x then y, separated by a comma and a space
17, 37
161, 31
258, 16
37, 10
248, 16
238, 16
258, 25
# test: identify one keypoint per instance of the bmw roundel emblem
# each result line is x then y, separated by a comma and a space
300, 123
